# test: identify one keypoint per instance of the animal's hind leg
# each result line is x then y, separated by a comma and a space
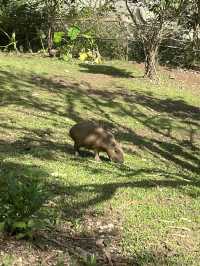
76, 149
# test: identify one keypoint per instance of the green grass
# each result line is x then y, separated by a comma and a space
153, 200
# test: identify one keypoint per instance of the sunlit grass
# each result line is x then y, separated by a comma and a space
155, 193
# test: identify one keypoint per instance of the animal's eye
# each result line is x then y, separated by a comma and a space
116, 150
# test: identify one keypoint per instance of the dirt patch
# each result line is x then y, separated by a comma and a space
96, 237
100, 80
188, 79
85, 81
19, 253
183, 238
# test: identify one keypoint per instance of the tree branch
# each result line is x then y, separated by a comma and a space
130, 12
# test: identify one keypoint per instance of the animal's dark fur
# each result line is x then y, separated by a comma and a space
92, 136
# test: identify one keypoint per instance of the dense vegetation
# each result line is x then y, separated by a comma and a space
167, 31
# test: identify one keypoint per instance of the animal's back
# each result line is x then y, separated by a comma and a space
84, 130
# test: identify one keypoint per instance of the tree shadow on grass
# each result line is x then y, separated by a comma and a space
77, 202
183, 152
36, 196
167, 112
106, 70
37, 143
73, 91
74, 201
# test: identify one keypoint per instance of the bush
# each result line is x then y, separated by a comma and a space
20, 199
15, 16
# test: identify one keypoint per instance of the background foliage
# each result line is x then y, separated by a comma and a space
34, 23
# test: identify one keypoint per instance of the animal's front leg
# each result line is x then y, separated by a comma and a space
76, 149
97, 156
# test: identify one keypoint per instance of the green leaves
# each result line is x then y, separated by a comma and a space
66, 41
19, 225
57, 39
24, 229
2, 226
73, 33
21, 229
20, 200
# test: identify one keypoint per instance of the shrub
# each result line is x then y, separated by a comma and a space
20, 199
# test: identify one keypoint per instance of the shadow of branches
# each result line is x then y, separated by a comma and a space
168, 115
106, 70
161, 117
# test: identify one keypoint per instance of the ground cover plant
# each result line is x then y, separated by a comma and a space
74, 211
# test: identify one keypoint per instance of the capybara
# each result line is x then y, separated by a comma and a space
92, 136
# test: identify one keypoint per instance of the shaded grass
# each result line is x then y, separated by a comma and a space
154, 196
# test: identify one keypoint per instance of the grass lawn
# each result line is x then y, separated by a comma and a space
145, 212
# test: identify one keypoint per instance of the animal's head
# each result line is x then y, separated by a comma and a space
116, 153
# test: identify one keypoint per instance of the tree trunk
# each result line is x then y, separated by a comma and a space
195, 44
50, 37
151, 44
150, 60
196, 32
150, 69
